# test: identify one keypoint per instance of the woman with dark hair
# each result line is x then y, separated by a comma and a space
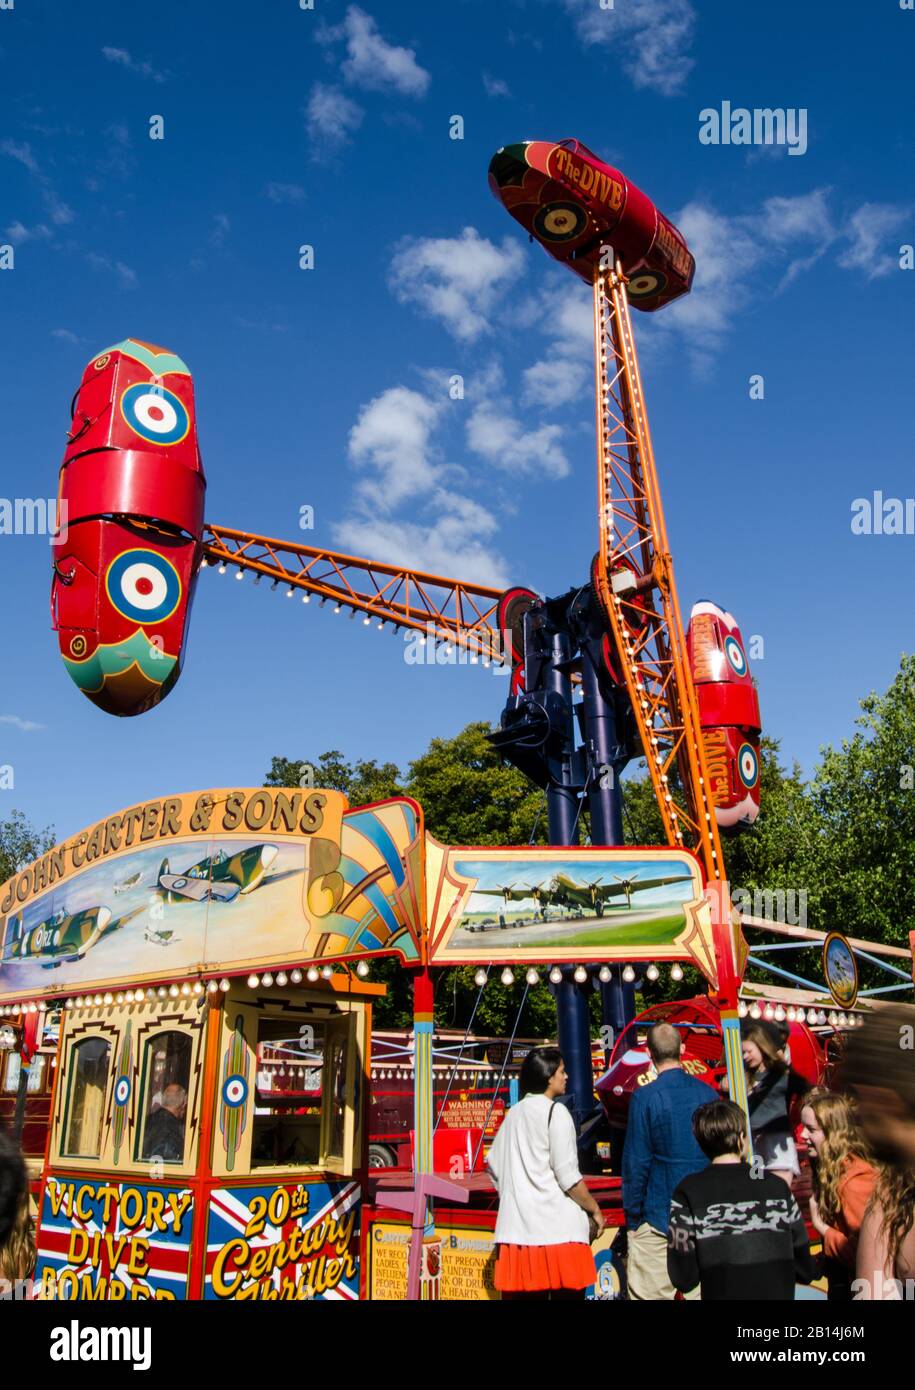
844, 1178
547, 1217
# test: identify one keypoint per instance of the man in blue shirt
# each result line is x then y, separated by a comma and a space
661, 1150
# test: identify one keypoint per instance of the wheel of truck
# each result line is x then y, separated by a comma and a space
380, 1156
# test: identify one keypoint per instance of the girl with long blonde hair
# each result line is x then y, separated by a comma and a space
845, 1176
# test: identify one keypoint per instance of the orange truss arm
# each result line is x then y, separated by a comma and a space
634, 578
443, 609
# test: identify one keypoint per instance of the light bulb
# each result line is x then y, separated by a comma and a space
480, 978
580, 974
507, 977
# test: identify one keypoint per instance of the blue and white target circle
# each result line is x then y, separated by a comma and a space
155, 413
143, 586
735, 655
122, 1090
234, 1091
747, 765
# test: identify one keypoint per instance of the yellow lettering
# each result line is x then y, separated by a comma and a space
226, 1283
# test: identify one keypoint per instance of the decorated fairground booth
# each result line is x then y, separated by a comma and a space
208, 956
192, 977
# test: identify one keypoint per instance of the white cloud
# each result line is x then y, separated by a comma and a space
66, 336
651, 37
456, 279
733, 253
126, 276
494, 86
391, 439
453, 543
284, 192
331, 116
499, 437
123, 58
371, 62
393, 445
59, 211
221, 228
17, 234
553, 382
868, 231
25, 726
22, 153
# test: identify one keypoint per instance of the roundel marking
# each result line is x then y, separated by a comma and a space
735, 655
747, 766
102, 362
647, 283
234, 1091
559, 221
155, 413
78, 645
122, 1090
143, 586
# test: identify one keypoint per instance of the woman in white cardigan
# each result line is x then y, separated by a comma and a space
547, 1217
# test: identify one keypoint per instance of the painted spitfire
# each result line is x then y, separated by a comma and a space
127, 551
563, 891
220, 877
728, 713
574, 205
64, 936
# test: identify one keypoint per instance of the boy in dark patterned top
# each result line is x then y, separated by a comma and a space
737, 1236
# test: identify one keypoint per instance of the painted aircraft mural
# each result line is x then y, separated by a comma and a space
221, 877
62, 937
561, 890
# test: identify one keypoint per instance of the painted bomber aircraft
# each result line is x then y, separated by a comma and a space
562, 891
62, 937
220, 877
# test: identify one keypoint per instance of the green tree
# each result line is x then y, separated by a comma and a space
863, 794
471, 798
20, 842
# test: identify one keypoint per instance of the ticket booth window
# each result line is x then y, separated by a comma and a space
302, 1093
86, 1108
165, 1077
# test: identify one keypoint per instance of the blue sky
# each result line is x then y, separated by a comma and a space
327, 387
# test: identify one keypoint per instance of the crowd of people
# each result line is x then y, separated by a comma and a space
708, 1200
709, 1204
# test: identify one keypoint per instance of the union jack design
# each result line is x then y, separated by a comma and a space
234, 1210
106, 1252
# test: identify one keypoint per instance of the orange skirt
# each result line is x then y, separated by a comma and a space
536, 1268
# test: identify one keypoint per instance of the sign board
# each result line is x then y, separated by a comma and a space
562, 904
465, 1271
216, 881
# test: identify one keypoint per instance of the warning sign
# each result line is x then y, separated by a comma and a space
468, 1259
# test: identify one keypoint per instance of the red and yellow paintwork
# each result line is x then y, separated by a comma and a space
128, 548
728, 714
575, 205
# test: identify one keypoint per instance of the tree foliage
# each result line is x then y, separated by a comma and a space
20, 842
845, 839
